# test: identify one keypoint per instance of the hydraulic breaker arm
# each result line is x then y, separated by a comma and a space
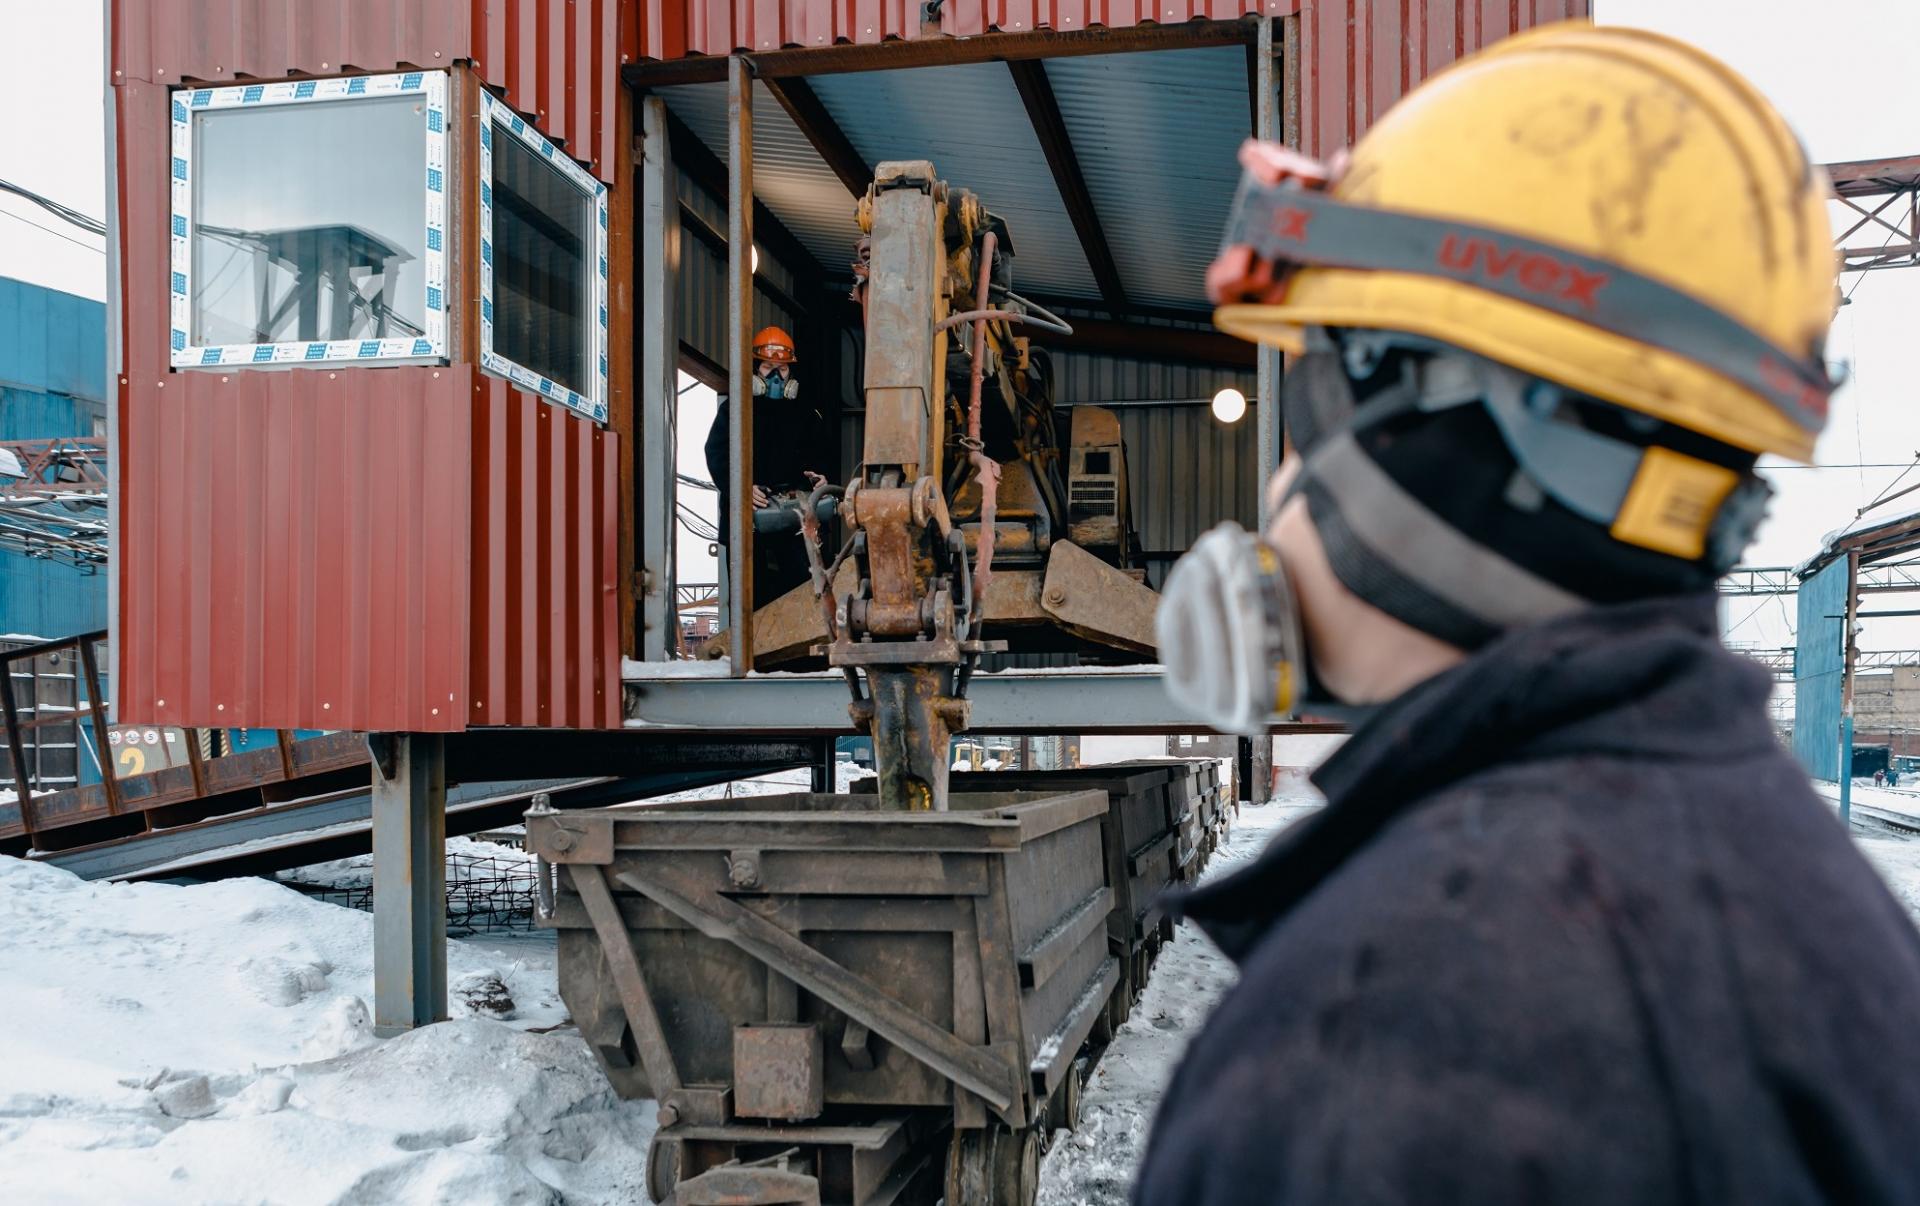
902, 624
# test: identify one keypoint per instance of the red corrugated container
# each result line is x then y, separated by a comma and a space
406, 548
1357, 57
556, 60
427, 549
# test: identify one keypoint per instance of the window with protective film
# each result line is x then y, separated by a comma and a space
309, 222
543, 265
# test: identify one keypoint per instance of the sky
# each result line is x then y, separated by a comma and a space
1808, 60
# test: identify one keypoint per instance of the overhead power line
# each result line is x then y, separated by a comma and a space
26, 221
63, 212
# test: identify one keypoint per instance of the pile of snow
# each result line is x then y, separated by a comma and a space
1093, 1165
212, 1043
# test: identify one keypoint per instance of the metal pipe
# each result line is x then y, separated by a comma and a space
985, 466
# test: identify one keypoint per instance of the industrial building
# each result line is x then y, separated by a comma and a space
403, 305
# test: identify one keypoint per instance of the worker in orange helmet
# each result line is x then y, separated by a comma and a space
773, 361
792, 442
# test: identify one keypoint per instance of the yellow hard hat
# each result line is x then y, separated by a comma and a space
1583, 165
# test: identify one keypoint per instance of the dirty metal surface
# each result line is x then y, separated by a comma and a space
778, 1070
1097, 602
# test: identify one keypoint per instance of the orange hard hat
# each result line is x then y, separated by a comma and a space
773, 344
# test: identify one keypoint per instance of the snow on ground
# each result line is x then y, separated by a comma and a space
1093, 1166
1896, 858
210, 1043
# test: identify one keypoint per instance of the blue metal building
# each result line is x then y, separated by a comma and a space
53, 350
1819, 670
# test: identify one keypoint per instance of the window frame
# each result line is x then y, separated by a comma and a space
428, 348
496, 120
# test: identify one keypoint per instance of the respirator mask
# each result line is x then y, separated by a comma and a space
1232, 647
1229, 622
1229, 631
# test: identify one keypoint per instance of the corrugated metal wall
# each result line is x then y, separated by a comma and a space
1359, 56
655, 30
53, 356
1819, 670
51, 343
555, 60
703, 283
370, 548
545, 575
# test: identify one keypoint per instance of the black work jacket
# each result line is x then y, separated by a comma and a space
1572, 928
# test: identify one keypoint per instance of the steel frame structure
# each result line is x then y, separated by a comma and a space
669, 695
1883, 197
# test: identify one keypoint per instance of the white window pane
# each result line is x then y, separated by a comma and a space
310, 222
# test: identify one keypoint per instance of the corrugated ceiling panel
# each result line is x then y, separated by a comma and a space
788, 174
969, 121
1359, 56
1132, 115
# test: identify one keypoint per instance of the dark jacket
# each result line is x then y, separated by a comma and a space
790, 436
1572, 928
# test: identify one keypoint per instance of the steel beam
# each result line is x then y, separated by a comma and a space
738, 510
1043, 111
1266, 125
659, 376
1130, 700
1107, 337
803, 105
947, 51
1260, 765
410, 884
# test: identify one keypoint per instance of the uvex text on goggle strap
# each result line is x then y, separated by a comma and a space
1290, 225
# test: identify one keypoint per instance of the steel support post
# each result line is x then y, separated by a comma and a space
825, 765
1267, 365
1852, 652
1260, 791
659, 378
409, 881
739, 508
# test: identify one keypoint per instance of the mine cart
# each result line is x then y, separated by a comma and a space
1163, 818
835, 1003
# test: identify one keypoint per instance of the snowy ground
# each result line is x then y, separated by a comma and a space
210, 1044
1094, 1165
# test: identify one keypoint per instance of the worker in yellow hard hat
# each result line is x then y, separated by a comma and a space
795, 445
1571, 926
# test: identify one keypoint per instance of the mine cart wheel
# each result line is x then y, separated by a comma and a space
663, 1167
1018, 1161
993, 1166
1063, 1110
1103, 1026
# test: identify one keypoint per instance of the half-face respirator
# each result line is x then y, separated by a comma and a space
1229, 630
1229, 621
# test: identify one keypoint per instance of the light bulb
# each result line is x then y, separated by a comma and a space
1229, 404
